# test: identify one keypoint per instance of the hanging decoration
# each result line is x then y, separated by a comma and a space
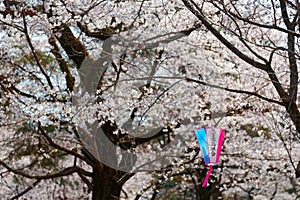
210, 141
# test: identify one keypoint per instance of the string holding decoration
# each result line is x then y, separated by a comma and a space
210, 141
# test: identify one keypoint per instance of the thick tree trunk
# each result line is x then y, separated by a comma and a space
105, 185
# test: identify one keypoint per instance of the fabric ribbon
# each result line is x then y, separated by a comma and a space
207, 176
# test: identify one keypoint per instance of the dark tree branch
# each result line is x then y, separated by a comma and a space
279, 88
30, 73
197, 12
54, 145
294, 22
285, 14
293, 68
236, 91
291, 51
19, 28
240, 34
273, 52
275, 27
103, 33
72, 45
74, 48
274, 12
297, 172
65, 172
3, 87
26, 190
11, 88
35, 54
64, 67
138, 13
155, 133
121, 63
82, 13
82, 174
22, 93
156, 99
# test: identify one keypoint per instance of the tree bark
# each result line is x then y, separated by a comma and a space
105, 183
72, 45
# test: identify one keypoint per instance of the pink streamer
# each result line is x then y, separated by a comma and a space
220, 143
207, 176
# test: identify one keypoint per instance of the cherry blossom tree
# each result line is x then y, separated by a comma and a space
264, 36
260, 53
95, 93
49, 81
